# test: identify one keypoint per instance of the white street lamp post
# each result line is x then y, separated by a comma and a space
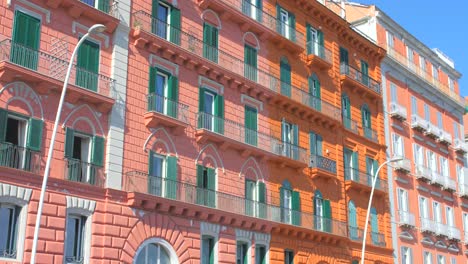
366, 224
97, 28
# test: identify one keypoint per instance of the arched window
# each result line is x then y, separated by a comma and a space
285, 77
322, 212
352, 221
290, 204
346, 110
366, 116
314, 91
155, 251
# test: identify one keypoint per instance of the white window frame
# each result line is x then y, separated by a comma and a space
398, 145
422, 64
465, 222
414, 105
168, 18
437, 212
403, 201
431, 160
426, 214
284, 14
440, 259
390, 40
427, 256
451, 84
435, 73
287, 202
444, 167
406, 252
162, 243
449, 216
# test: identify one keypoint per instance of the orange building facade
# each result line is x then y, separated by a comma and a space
424, 126
210, 132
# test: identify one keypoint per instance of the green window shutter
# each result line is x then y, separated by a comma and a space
3, 124
172, 94
250, 125
285, 77
211, 186
87, 66
309, 39
248, 190
250, 63
282, 205
200, 190
153, 71
278, 18
249, 203
327, 215
219, 113
259, 10
319, 145
355, 165
97, 156
313, 143
321, 49
35, 134
292, 25
171, 178
343, 55
261, 199
210, 42
296, 207
69, 140
20, 28
365, 72
283, 130
104, 6
150, 163
175, 26
212, 253
296, 135
25, 40
201, 99
154, 9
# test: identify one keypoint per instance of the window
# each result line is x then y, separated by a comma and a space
371, 170
286, 23
406, 255
427, 257
206, 186
410, 56
162, 175
393, 93
9, 223
153, 253
253, 9
398, 146
418, 154
436, 209
451, 84
414, 105
316, 142
465, 223
377, 238
435, 75
315, 41
440, 259
255, 198
285, 77
241, 253
423, 208
351, 165
25, 40
365, 72
431, 160
344, 60
322, 212
366, 122
453, 260
461, 175
290, 139
210, 42
163, 92
352, 221
166, 21
314, 92
74, 238
288, 257
444, 167
390, 40
346, 111
427, 113
250, 63
422, 64
260, 254
290, 204
439, 120
211, 111
20, 141
449, 217
85, 154
251, 126
207, 250
87, 65
456, 134
403, 200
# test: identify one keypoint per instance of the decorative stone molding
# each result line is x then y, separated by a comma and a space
14, 194
210, 84
262, 238
81, 206
210, 229
163, 64
243, 235
245, 99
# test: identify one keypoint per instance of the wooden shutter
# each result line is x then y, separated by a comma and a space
212, 253
219, 113
173, 96
319, 145
278, 18
285, 77
343, 56
309, 39
313, 143
296, 207
34, 134
104, 6
374, 221
87, 65
175, 26
211, 186
327, 215
292, 26
171, 178
150, 163
200, 191
259, 10
262, 208
3, 124
153, 71
97, 156
69, 140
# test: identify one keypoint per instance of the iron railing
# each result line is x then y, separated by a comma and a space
422, 171
449, 183
406, 218
107, 6
378, 239
398, 110
363, 178
350, 125
7, 253
84, 172
160, 104
463, 190
47, 64
357, 75
427, 225
370, 134
355, 233
323, 163
189, 193
21, 158
317, 104
453, 233
318, 49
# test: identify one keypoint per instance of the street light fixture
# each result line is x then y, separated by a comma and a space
374, 180
97, 28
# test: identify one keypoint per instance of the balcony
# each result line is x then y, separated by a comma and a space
463, 190
449, 184
362, 181
460, 146
403, 165
406, 219
99, 11
20, 158
318, 57
48, 73
424, 75
453, 233
186, 49
427, 225
155, 193
398, 112
358, 81
441, 229
423, 172
166, 112
418, 123
378, 239
350, 125
466, 238
322, 167
230, 134
371, 134
357, 234
444, 137
253, 18
432, 131
437, 178
84, 172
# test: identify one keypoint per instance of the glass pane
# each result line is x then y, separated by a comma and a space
152, 253
159, 90
163, 256
162, 22
5, 215
209, 100
71, 236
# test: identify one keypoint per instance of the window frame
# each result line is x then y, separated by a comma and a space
17, 227
83, 222
166, 245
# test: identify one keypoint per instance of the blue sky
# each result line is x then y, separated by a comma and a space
442, 25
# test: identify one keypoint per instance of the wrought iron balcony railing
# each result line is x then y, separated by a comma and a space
84, 172
350, 125
317, 49
163, 105
371, 134
363, 178
323, 163
21, 158
406, 218
358, 76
